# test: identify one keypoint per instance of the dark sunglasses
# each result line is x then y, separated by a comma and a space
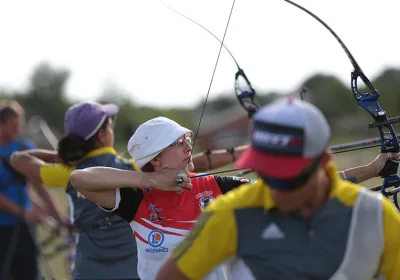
295, 182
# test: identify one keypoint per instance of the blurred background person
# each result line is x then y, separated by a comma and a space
17, 214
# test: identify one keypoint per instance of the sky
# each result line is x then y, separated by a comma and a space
158, 58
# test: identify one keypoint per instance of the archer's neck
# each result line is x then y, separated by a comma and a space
320, 197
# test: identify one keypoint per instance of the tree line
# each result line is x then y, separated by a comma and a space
45, 96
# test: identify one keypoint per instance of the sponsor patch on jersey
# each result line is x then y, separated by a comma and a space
207, 193
154, 215
155, 238
205, 200
157, 250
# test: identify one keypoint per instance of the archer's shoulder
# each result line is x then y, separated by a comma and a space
348, 193
27, 143
390, 212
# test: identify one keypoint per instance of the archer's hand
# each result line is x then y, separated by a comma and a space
165, 180
34, 217
380, 161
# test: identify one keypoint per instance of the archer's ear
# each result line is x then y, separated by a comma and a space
155, 161
327, 158
101, 135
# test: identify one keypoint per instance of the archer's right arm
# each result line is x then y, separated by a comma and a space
99, 184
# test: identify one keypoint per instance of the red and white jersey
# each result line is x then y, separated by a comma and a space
162, 220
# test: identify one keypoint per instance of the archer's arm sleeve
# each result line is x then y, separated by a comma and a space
390, 263
211, 242
55, 175
127, 202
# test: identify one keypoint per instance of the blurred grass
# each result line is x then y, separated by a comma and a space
343, 161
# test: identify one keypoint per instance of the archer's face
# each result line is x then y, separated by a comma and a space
303, 198
10, 129
176, 155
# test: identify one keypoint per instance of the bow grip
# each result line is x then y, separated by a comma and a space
390, 168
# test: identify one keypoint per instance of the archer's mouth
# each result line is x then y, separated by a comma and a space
188, 159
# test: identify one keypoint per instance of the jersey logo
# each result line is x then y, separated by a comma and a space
204, 198
272, 231
155, 238
154, 216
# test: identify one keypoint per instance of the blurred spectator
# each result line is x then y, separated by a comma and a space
17, 215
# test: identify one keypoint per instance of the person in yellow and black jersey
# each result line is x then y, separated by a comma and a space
300, 220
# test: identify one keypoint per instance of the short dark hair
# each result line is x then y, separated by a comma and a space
6, 113
73, 147
148, 167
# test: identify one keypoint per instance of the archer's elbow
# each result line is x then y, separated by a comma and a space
78, 180
18, 160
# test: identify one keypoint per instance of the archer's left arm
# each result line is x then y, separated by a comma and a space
211, 159
365, 172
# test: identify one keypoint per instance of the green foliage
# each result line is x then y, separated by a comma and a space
46, 97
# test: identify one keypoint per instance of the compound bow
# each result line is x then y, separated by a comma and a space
369, 101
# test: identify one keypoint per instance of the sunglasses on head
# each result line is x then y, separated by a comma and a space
295, 182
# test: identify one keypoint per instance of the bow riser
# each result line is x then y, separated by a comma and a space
245, 97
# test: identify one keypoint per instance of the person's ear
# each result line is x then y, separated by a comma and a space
155, 161
101, 135
326, 158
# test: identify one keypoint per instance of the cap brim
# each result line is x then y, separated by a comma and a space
110, 109
275, 166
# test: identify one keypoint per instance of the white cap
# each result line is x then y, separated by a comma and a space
153, 136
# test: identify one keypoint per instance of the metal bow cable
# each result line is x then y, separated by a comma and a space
369, 101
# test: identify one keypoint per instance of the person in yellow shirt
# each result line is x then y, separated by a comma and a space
300, 220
